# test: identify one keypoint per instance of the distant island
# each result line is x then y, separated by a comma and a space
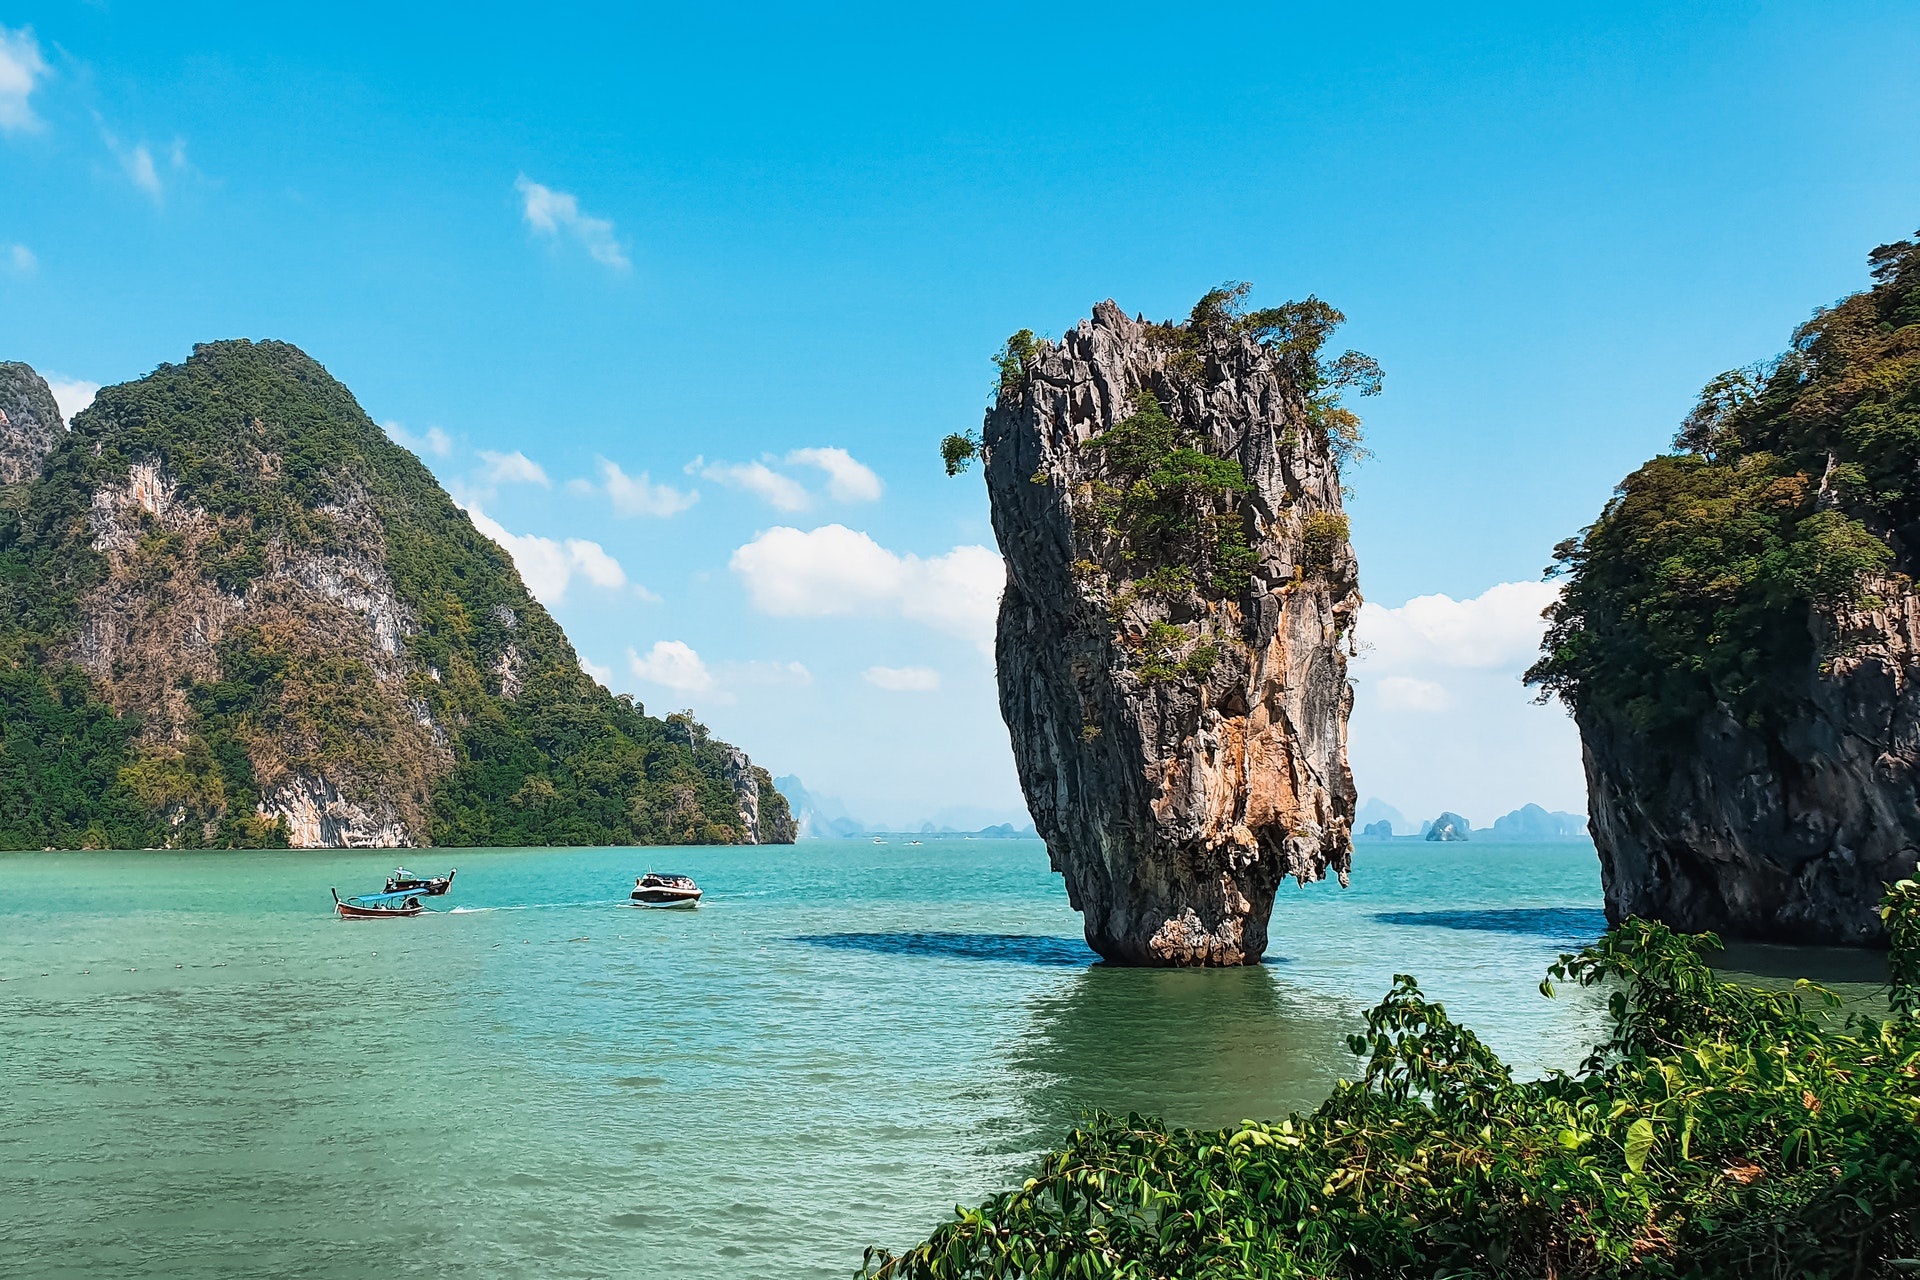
1530, 823
822, 817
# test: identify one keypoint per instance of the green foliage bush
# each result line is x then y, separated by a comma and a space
1721, 1132
1168, 504
1712, 576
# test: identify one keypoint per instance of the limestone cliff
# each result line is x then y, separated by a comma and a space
1739, 640
232, 612
30, 424
1179, 591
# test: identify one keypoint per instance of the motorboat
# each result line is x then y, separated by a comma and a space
404, 881
377, 906
656, 890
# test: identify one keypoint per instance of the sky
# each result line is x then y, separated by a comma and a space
679, 304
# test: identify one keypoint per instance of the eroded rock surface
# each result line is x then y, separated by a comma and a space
30, 424
1176, 775
1780, 836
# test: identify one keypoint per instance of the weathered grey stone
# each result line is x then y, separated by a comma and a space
1450, 827
1173, 808
1788, 836
30, 424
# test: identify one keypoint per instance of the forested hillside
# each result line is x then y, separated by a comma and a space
233, 613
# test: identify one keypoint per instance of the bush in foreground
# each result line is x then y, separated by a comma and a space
1722, 1131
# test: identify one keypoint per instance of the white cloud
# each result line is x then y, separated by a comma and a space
435, 441
847, 480
603, 674
595, 565
902, 679
783, 492
638, 495
136, 162
547, 566
21, 69
512, 468
1500, 627
20, 260
672, 663
1441, 720
71, 394
1410, 693
836, 570
556, 213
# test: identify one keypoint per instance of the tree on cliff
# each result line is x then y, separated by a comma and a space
1701, 582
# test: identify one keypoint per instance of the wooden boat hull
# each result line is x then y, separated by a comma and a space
350, 912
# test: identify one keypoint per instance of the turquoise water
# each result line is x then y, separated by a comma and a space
202, 1073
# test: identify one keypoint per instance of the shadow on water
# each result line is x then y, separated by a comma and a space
1010, 948
1570, 926
1200, 1047
1839, 967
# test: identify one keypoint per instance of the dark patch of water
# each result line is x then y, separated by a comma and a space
1010, 948
1572, 926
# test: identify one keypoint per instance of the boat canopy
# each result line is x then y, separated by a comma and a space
369, 898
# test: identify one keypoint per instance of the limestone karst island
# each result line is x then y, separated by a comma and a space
1235, 645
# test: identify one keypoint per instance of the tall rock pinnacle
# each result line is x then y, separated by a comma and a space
1180, 589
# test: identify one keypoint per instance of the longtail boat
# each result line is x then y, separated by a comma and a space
377, 906
404, 881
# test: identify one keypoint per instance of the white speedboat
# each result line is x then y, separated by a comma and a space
656, 890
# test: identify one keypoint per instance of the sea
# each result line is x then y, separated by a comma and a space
203, 1073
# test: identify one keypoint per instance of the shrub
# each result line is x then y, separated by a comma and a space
1721, 1131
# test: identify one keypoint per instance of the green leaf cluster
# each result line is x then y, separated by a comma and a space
1721, 1132
1715, 575
1166, 504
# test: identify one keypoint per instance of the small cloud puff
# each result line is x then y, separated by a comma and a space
556, 213
21, 69
435, 441
902, 679
674, 664
20, 260
548, 567
512, 468
757, 478
636, 495
71, 394
848, 479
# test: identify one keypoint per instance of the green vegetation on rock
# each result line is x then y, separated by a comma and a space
1721, 1132
287, 594
1715, 576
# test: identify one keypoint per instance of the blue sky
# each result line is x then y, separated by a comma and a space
760, 258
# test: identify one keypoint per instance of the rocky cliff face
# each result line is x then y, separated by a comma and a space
1784, 834
232, 612
1739, 639
1170, 647
30, 424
